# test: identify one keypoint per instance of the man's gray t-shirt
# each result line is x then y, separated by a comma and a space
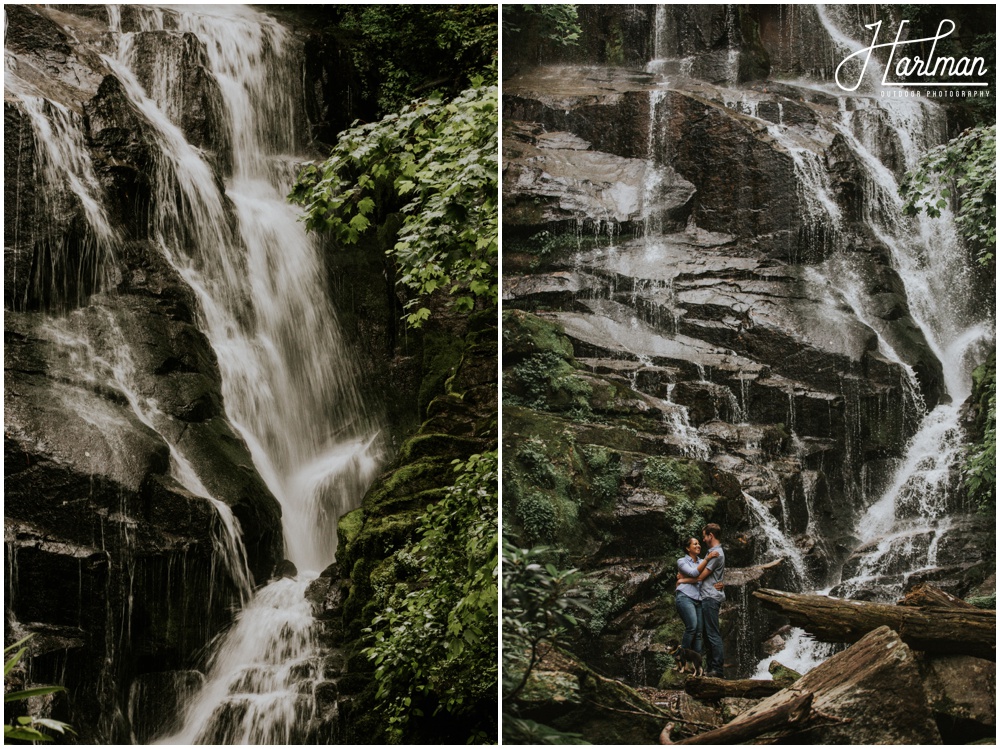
718, 568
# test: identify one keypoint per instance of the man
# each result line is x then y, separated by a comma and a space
712, 596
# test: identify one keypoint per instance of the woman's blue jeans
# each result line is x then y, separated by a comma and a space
690, 611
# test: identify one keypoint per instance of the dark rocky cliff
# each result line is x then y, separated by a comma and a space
110, 561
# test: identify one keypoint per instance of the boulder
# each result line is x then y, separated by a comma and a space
564, 693
961, 696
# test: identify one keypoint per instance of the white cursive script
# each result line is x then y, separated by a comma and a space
908, 67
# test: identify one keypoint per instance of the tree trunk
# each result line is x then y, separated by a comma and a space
708, 688
790, 712
936, 630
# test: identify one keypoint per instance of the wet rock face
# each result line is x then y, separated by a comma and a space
112, 561
750, 290
558, 182
200, 115
960, 697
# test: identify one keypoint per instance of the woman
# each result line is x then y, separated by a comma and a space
687, 596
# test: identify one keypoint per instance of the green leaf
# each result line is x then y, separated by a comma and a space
33, 692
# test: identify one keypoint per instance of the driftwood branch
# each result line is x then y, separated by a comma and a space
789, 713
937, 630
709, 688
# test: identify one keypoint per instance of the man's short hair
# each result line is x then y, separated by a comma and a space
712, 528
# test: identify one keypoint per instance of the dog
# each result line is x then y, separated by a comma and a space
685, 659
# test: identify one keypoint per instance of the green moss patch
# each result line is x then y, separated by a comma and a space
525, 335
348, 527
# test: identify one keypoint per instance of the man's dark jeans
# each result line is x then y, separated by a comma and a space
713, 637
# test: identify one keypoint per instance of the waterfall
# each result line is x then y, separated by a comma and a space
257, 274
901, 531
931, 262
287, 381
221, 220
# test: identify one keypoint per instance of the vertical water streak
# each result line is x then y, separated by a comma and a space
777, 539
67, 177
116, 369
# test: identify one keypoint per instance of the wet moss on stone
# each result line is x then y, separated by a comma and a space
348, 527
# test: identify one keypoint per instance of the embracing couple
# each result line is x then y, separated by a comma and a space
699, 595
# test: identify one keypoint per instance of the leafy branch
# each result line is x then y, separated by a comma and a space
558, 24
963, 169
540, 606
435, 643
435, 163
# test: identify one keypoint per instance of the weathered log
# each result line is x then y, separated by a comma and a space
935, 630
870, 693
926, 594
785, 714
709, 688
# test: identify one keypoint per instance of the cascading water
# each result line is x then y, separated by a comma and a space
933, 267
901, 531
276, 339
287, 378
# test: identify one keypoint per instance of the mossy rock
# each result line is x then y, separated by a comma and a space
477, 367
546, 381
525, 334
358, 594
572, 698
380, 536
673, 629
551, 686
782, 674
406, 482
442, 355
674, 475
437, 445
671, 678
348, 527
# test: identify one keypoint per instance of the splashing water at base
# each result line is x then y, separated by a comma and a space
802, 653
262, 679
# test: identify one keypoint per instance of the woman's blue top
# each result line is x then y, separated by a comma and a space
689, 568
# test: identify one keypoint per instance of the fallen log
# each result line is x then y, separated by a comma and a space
869, 694
788, 713
710, 688
931, 629
926, 594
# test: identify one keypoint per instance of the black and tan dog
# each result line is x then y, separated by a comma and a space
686, 660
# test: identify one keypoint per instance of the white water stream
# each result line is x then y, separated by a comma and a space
288, 380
